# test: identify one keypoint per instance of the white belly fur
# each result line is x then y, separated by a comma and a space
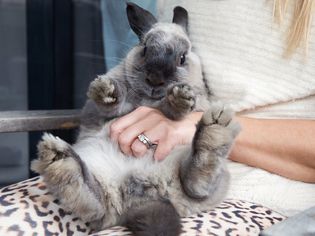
105, 160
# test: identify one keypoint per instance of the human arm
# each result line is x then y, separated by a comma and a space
284, 147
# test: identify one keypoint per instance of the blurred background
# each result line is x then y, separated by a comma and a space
50, 50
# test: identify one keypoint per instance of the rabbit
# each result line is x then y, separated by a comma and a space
98, 183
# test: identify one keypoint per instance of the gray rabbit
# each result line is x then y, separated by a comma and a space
97, 182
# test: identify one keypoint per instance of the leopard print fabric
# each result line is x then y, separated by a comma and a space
27, 208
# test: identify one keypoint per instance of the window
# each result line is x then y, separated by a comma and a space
49, 52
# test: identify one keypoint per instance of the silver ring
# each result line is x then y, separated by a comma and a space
146, 141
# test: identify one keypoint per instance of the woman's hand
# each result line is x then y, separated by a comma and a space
160, 130
284, 147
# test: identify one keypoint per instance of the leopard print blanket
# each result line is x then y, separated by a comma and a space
27, 208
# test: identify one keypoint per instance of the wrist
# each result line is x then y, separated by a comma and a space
245, 143
185, 129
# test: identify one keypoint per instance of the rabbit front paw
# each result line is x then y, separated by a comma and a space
103, 91
182, 98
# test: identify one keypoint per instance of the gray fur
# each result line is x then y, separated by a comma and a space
154, 218
95, 181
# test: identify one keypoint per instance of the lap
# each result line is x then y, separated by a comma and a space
27, 208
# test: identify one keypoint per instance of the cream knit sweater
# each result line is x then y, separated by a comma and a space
241, 51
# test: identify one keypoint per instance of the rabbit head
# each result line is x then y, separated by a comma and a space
163, 55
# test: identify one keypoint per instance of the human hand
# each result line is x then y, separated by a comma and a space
160, 130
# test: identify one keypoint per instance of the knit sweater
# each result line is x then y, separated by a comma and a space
241, 51
240, 47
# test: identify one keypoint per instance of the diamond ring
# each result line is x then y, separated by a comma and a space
146, 141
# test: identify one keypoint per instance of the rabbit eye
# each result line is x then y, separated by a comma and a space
182, 59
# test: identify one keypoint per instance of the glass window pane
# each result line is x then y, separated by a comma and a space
13, 88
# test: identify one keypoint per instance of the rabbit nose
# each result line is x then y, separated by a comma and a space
154, 81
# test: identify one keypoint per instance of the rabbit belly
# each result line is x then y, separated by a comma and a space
105, 160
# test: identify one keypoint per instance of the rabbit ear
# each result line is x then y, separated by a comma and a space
139, 19
181, 17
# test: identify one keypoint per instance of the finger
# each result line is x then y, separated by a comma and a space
138, 148
130, 134
163, 150
123, 122
155, 134
151, 126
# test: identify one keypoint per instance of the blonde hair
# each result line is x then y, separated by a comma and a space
299, 31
